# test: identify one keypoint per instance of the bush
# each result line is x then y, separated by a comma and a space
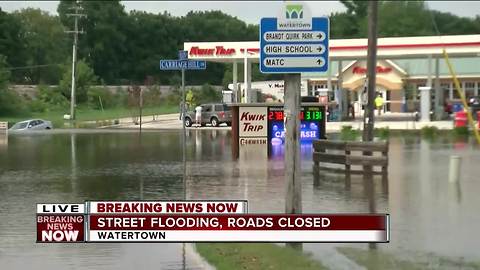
460, 131
347, 133
50, 97
99, 97
208, 94
11, 103
174, 98
37, 106
85, 77
152, 96
382, 132
429, 131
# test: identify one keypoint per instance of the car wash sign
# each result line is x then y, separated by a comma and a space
294, 42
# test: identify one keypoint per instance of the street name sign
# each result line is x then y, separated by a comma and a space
182, 63
294, 42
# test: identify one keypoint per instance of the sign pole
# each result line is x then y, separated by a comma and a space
184, 138
292, 43
293, 181
182, 64
369, 118
140, 103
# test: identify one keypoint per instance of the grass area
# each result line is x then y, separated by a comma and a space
87, 114
347, 133
245, 256
376, 259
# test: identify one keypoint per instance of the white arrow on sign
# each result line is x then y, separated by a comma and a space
283, 36
293, 62
294, 49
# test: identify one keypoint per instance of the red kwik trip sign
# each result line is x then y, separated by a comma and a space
218, 51
252, 122
362, 70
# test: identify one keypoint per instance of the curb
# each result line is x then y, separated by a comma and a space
195, 256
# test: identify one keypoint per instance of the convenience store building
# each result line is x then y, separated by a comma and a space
404, 64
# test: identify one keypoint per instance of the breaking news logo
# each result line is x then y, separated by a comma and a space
198, 221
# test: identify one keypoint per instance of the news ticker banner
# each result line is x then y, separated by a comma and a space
199, 221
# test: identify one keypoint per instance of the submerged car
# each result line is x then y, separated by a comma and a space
33, 124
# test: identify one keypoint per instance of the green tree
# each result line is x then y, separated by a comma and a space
403, 18
10, 103
344, 25
449, 24
45, 43
4, 73
357, 8
208, 94
12, 43
104, 44
85, 78
157, 36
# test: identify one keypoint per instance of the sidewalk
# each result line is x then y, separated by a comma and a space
394, 121
392, 125
163, 121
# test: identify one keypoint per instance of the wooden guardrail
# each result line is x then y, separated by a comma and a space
371, 154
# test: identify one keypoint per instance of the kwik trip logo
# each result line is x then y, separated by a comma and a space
294, 12
295, 16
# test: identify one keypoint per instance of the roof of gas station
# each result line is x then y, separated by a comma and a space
347, 49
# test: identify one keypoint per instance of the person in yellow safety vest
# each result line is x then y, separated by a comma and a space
379, 103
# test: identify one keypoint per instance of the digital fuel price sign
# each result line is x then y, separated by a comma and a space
310, 114
312, 124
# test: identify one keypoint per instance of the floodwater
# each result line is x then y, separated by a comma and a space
429, 215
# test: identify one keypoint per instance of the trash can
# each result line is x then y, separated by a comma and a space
461, 119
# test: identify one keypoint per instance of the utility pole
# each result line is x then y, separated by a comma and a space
368, 116
75, 33
293, 174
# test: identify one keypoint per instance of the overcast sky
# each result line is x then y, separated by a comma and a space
249, 11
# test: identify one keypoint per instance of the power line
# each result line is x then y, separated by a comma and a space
435, 26
33, 66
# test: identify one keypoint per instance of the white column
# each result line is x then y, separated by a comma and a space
439, 100
425, 103
338, 94
249, 80
429, 75
450, 90
329, 78
235, 92
246, 77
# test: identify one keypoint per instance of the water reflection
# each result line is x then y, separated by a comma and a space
73, 167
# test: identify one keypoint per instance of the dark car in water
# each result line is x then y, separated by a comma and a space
212, 113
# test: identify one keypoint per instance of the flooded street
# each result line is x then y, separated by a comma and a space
429, 215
